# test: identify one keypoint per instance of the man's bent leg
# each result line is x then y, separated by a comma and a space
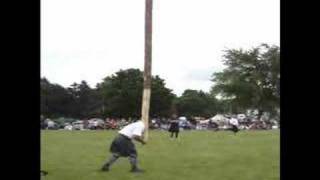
112, 159
134, 163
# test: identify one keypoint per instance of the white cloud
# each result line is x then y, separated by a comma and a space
90, 39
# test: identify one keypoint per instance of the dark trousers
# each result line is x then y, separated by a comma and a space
234, 129
176, 134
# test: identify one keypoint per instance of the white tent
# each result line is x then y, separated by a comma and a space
218, 118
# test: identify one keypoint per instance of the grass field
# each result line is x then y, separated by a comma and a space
198, 155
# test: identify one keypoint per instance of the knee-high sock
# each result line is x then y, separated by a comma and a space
133, 161
112, 159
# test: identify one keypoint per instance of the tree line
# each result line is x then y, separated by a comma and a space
251, 80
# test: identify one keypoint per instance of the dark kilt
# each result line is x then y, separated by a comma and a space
174, 127
123, 146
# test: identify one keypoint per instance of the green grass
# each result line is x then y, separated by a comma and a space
198, 155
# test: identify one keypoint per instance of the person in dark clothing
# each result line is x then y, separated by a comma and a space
174, 127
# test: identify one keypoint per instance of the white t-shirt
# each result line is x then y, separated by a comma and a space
234, 121
135, 128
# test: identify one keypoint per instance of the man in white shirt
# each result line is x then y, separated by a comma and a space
122, 145
234, 123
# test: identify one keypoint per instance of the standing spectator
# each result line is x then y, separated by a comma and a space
174, 126
113, 124
86, 124
234, 124
158, 122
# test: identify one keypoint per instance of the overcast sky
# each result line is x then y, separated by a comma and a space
91, 39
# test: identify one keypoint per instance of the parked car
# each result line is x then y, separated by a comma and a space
96, 123
68, 127
77, 125
51, 124
186, 125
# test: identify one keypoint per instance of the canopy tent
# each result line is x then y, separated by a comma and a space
218, 118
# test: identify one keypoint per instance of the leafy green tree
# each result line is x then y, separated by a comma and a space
196, 103
85, 101
251, 79
161, 98
122, 95
77, 101
54, 99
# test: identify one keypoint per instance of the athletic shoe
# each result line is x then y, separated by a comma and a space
105, 168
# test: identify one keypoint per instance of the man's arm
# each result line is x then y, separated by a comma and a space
139, 139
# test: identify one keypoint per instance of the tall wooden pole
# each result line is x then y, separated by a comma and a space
147, 68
